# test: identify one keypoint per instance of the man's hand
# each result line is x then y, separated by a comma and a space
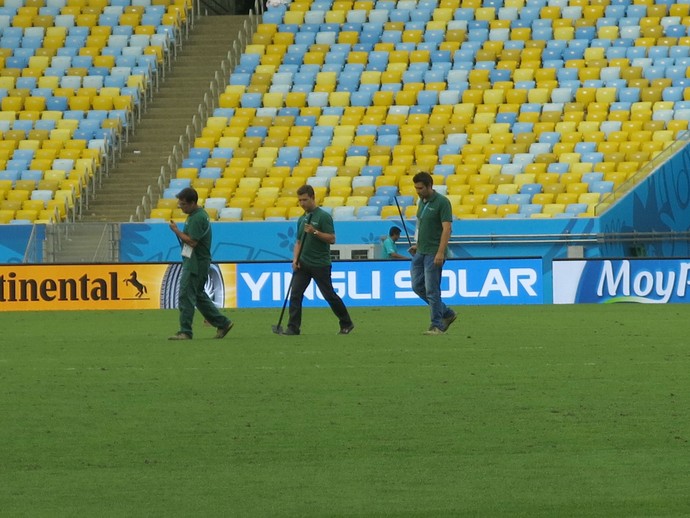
412, 249
439, 259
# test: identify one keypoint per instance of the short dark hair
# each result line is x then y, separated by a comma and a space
424, 178
306, 189
188, 194
394, 231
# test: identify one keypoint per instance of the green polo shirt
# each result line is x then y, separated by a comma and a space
315, 251
430, 216
198, 227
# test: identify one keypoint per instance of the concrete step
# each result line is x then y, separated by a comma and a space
171, 111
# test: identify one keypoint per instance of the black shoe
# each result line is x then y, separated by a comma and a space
346, 330
222, 331
449, 320
289, 332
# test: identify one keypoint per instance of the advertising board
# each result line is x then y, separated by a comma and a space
261, 285
655, 281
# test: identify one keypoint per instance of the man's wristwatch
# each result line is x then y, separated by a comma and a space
316, 232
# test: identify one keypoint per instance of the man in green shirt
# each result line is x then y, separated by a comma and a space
312, 260
196, 261
434, 219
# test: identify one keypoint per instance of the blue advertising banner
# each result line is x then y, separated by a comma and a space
652, 281
14, 240
387, 283
275, 240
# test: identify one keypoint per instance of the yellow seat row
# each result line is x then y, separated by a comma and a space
88, 15
46, 216
500, 211
62, 203
106, 99
244, 214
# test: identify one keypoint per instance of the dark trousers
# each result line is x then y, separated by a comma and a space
322, 277
192, 294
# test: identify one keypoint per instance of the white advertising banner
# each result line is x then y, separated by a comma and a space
650, 281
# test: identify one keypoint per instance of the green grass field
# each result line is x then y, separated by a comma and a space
518, 411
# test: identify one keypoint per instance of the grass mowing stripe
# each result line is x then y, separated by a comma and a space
517, 411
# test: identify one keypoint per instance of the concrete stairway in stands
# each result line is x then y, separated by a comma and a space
167, 117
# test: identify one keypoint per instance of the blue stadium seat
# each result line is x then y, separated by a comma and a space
530, 208
10, 174
497, 199
387, 191
371, 170
558, 167
379, 201
601, 186
369, 211
23, 154
199, 152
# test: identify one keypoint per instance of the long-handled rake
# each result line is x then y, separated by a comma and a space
402, 220
278, 328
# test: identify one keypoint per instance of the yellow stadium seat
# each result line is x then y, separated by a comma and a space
390, 211
543, 198
553, 208
12, 205
275, 212
339, 192
26, 214
485, 211
577, 187
6, 215
19, 195
242, 202
507, 188
333, 201
509, 208
25, 185
253, 214
566, 198
162, 213
356, 201
294, 212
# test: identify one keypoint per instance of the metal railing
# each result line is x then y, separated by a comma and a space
31, 252
102, 247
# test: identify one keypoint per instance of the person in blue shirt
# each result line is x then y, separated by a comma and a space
390, 250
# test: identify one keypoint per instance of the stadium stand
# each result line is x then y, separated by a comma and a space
75, 77
520, 109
